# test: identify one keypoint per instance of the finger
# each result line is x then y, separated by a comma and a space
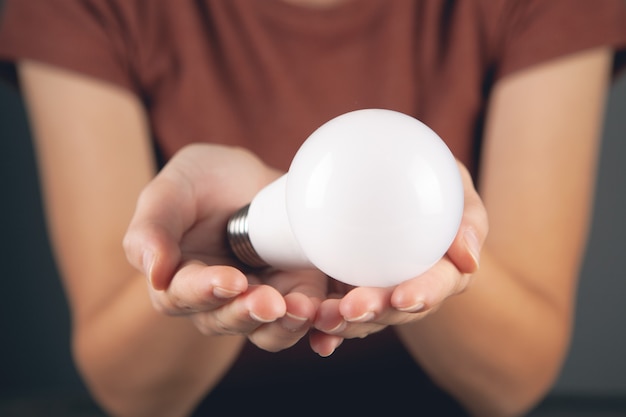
164, 211
311, 283
372, 306
324, 344
197, 287
259, 305
300, 312
289, 329
430, 289
363, 304
328, 318
465, 249
330, 321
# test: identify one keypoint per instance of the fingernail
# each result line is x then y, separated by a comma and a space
255, 317
415, 308
292, 322
471, 241
365, 317
148, 263
332, 350
220, 292
338, 328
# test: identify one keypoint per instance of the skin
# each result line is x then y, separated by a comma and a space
499, 346
499, 334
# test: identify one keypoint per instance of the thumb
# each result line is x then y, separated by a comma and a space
152, 251
153, 236
466, 247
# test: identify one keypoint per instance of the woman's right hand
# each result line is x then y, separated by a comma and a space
177, 239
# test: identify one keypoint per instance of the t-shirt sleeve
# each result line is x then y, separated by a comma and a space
82, 36
534, 31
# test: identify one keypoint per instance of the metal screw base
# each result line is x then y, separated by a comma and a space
239, 240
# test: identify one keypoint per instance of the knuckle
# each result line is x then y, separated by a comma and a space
127, 243
220, 327
212, 325
131, 249
180, 305
160, 307
199, 320
163, 305
462, 284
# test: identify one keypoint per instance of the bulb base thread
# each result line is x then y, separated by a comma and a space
239, 239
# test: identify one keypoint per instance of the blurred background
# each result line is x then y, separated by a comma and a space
37, 376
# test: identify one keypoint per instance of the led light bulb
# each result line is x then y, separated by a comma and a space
372, 198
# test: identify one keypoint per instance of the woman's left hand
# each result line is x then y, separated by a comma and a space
351, 312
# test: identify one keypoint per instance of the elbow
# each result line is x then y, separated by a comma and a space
528, 381
123, 384
118, 389
100, 382
524, 395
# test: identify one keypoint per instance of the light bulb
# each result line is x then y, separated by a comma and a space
372, 198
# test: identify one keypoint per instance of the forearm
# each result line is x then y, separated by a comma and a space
138, 362
497, 347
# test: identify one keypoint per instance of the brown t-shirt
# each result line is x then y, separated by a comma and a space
265, 74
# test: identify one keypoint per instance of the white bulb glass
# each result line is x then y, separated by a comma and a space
372, 198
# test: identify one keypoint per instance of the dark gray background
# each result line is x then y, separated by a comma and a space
34, 321
597, 361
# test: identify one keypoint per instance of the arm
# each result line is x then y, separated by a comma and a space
499, 346
95, 158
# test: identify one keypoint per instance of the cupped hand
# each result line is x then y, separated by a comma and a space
351, 312
176, 238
